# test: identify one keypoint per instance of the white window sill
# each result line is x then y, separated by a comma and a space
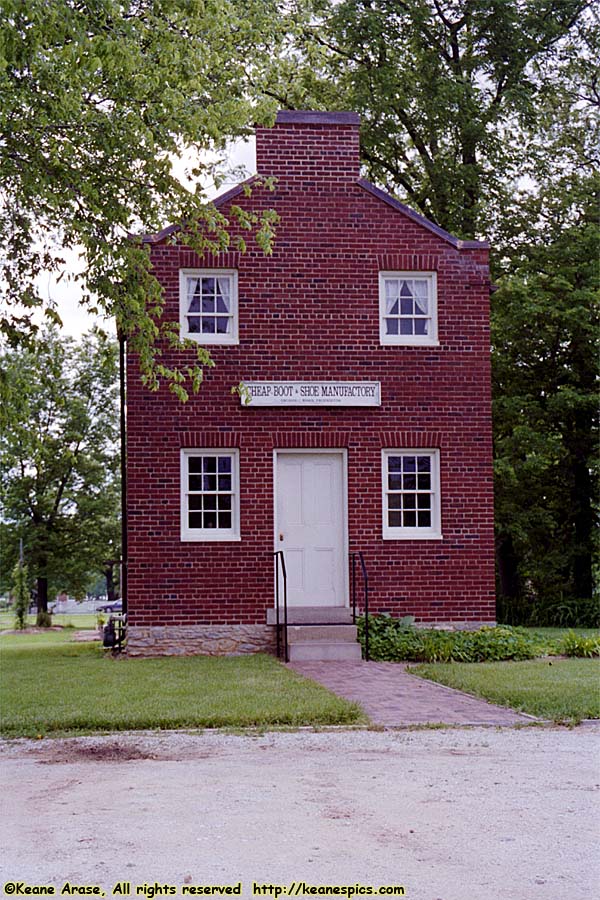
412, 536
207, 536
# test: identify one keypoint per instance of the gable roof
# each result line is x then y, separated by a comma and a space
233, 192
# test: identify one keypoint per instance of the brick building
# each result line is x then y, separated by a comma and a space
364, 343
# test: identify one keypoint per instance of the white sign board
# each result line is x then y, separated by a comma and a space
311, 393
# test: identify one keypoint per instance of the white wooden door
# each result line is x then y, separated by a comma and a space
310, 527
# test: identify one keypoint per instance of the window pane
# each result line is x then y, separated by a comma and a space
421, 326
409, 501
194, 304
424, 482
208, 304
224, 520
208, 286
395, 501
193, 324
424, 520
224, 502
409, 463
210, 463
409, 482
195, 482
410, 520
224, 482
395, 520
394, 463
394, 481
391, 326
195, 463
209, 483
208, 326
210, 520
424, 501
421, 306
223, 326
391, 305
424, 463
224, 464
406, 307
210, 501
223, 288
406, 289
195, 501
195, 520
406, 326
222, 305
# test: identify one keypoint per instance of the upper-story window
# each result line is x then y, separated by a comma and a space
208, 307
408, 308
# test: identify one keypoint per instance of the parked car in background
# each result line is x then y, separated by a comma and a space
115, 606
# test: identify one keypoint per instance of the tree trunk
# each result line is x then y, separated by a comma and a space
42, 593
109, 575
508, 574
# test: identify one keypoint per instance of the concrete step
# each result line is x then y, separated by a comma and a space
327, 634
330, 652
313, 615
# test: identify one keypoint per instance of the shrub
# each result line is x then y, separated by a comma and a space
394, 640
577, 645
21, 596
43, 619
563, 612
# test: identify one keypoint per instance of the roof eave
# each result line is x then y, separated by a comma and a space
457, 243
218, 201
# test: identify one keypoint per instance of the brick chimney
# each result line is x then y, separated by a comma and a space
310, 145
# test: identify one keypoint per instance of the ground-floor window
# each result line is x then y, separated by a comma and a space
411, 494
210, 495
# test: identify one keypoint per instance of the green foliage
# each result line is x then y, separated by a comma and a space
578, 645
560, 612
393, 640
21, 596
43, 619
98, 99
59, 460
545, 325
441, 86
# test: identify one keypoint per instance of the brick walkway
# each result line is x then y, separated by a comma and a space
391, 696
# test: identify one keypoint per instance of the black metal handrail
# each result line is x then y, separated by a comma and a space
280, 563
365, 576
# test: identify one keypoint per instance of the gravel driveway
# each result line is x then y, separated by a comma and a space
454, 814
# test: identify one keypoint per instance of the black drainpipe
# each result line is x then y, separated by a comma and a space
123, 428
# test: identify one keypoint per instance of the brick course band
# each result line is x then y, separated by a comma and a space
199, 640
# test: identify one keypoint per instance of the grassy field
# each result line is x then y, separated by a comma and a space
564, 690
50, 687
80, 621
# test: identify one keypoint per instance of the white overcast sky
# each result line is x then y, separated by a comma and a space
66, 293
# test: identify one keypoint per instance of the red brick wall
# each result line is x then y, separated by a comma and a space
310, 311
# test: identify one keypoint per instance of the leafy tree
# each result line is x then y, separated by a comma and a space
546, 327
97, 98
60, 487
20, 595
440, 84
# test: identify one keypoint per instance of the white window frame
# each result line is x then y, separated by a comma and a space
211, 534
434, 532
409, 340
232, 338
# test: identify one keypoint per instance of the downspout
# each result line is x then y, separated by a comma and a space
123, 432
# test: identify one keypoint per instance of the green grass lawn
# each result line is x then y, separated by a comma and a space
54, 688
564, 690
80, 621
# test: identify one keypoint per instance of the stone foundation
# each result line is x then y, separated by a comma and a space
199, 640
